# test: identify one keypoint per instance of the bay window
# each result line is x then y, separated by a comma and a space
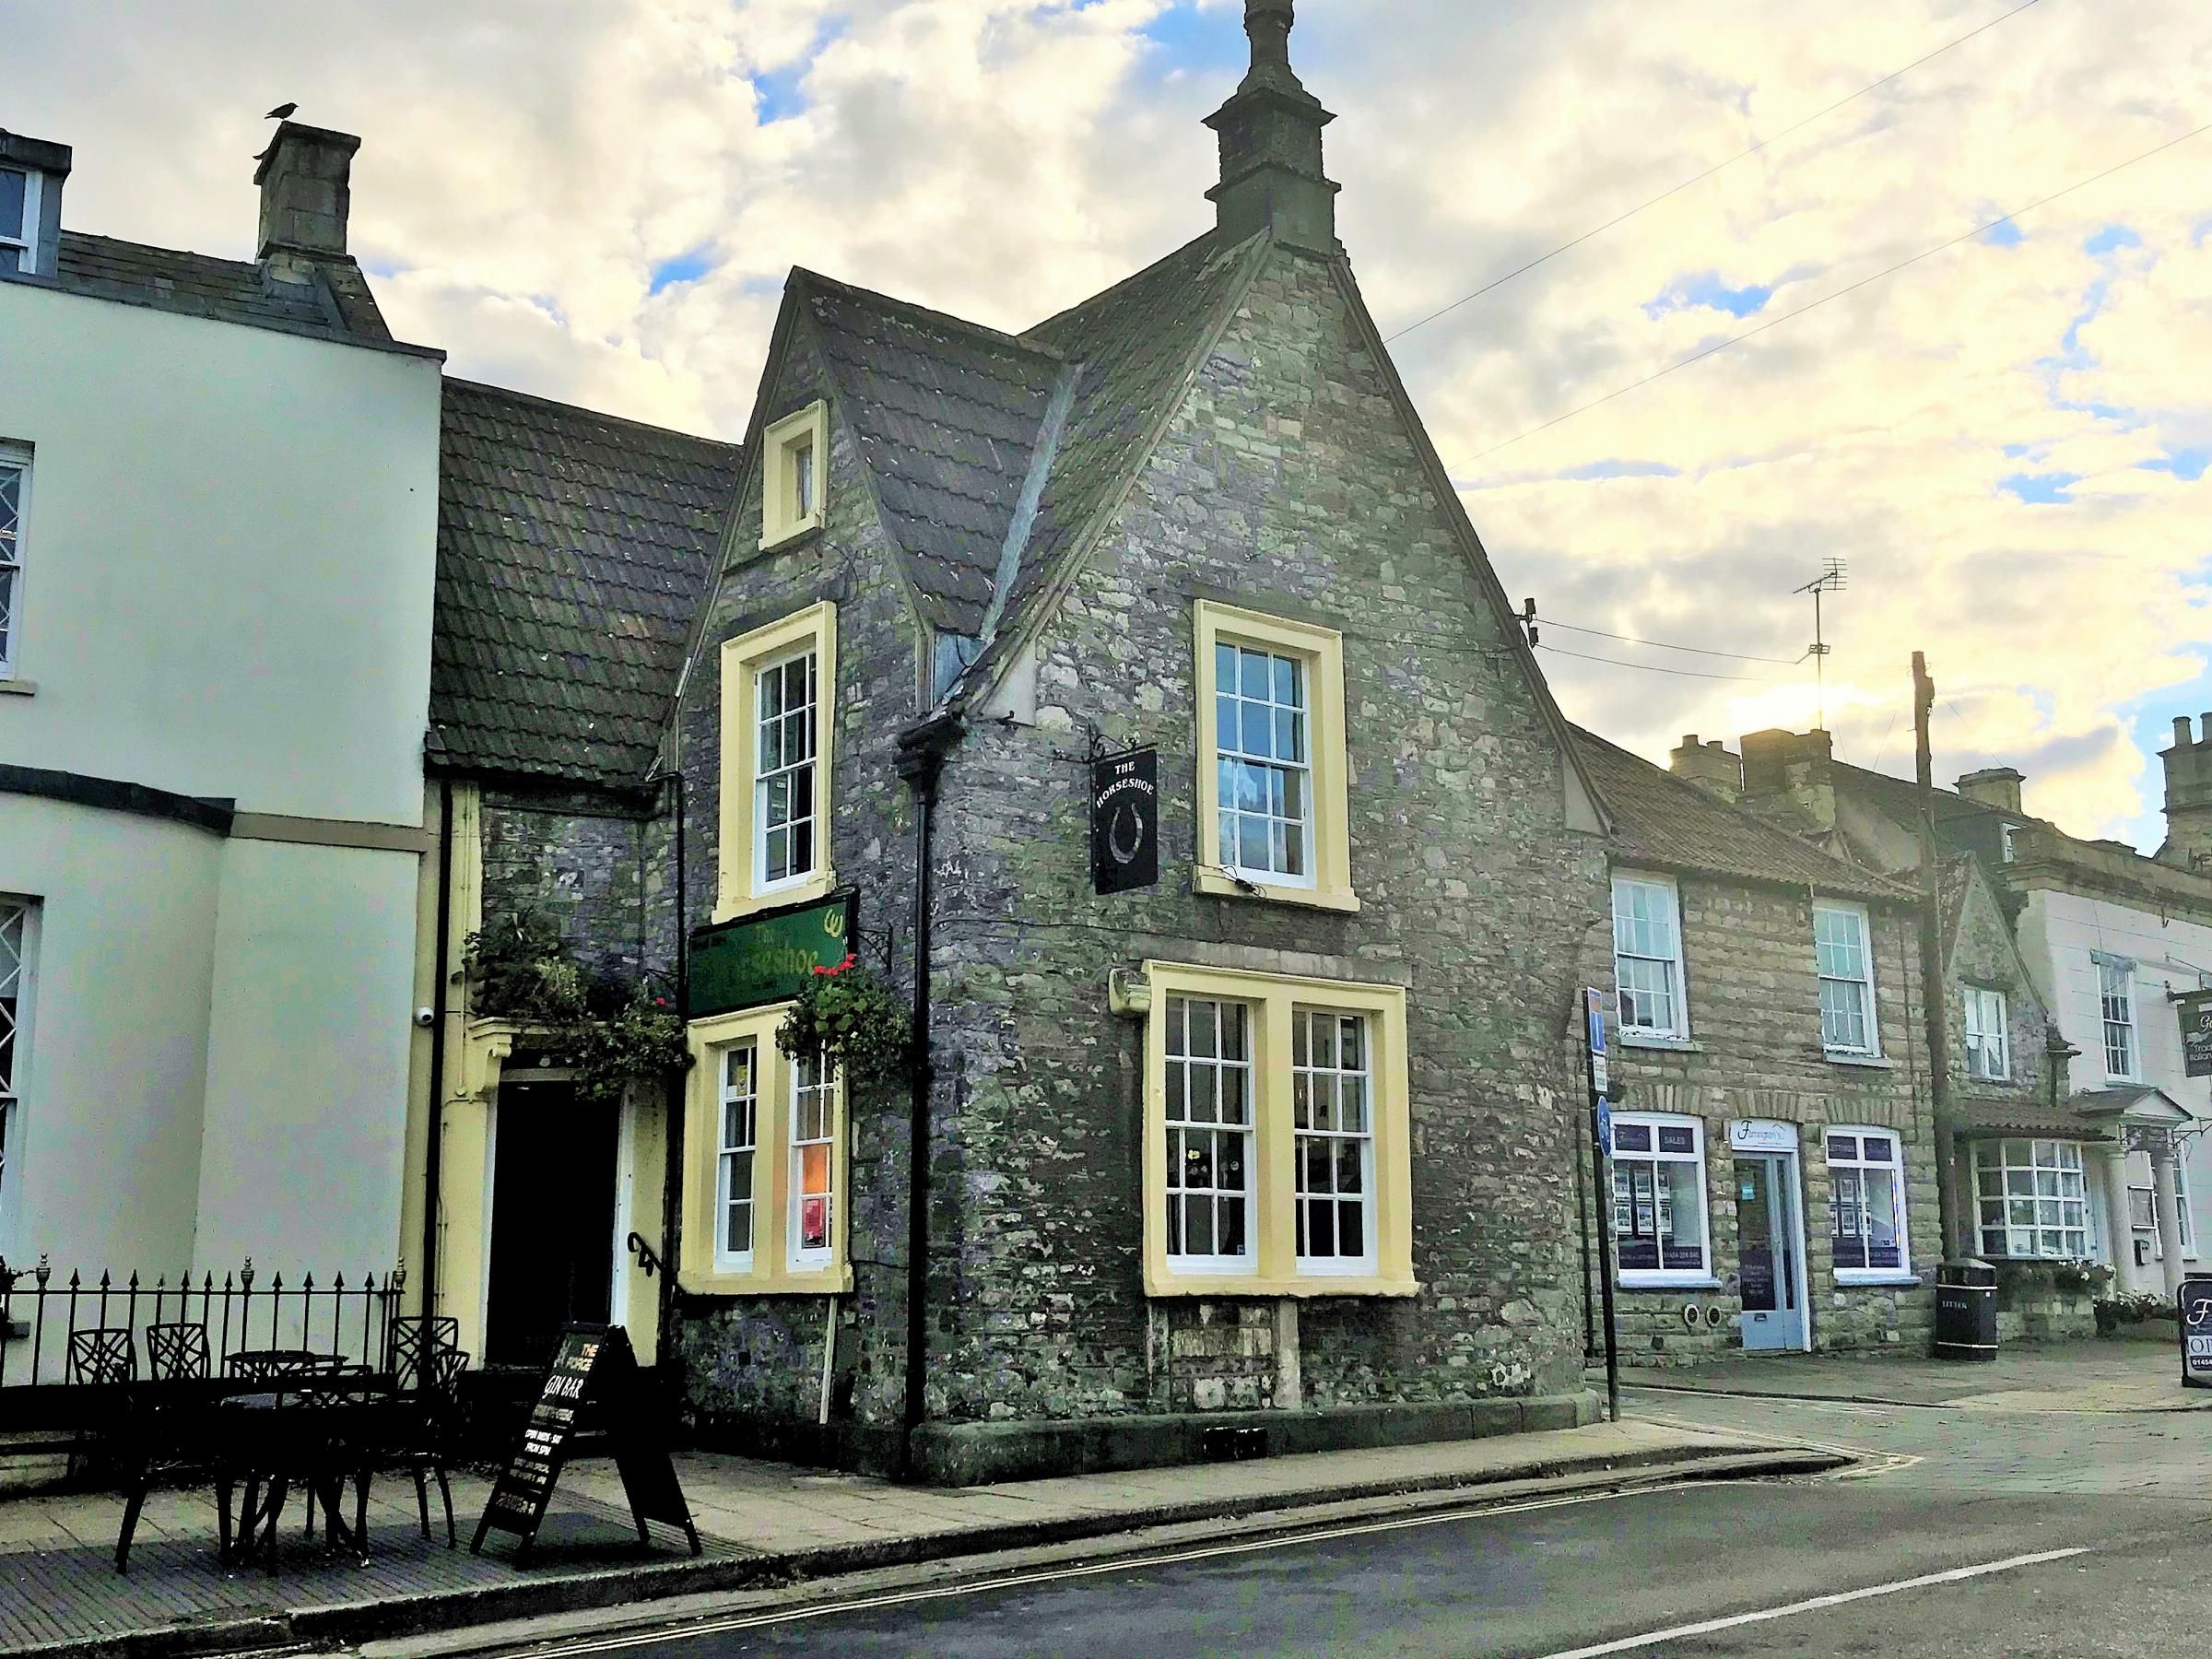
2031, 1199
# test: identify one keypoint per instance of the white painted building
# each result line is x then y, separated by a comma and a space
217, 514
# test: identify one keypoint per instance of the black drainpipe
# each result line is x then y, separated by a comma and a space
433, 1159
672, 1174
922, 752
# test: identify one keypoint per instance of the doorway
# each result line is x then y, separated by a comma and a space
552, 1219
1770, 1251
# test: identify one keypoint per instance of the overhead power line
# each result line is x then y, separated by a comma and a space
1654, 668
1776, 321
1701, 178
1657, 645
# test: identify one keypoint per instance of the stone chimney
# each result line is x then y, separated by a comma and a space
1270, 128
1711, 766
305, 199
1798, 767
1998, 786
2189, 796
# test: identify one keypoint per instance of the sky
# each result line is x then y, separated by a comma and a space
2006, 441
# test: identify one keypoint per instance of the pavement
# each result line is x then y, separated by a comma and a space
763, 1525
2101, 1376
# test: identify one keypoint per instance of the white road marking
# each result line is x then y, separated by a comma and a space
1706, 1627
895, 1598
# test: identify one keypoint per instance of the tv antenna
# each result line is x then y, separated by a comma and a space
1835, 576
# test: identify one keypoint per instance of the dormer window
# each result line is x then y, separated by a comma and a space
18, 219
792, 451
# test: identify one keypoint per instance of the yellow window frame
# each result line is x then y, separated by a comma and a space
780, 519
771, 1273
738, 891
1273, 1000
1320, 650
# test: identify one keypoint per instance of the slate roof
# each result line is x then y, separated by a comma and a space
227, 290
1672, 825
947, 415
573, 551
1899, 798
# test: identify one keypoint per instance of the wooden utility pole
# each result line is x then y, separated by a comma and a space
1931, 976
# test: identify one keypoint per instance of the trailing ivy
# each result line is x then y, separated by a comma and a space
611, 1032
851, 1015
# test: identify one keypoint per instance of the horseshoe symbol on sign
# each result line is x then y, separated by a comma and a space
1136, 834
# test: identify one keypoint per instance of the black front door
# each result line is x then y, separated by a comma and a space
552, 1219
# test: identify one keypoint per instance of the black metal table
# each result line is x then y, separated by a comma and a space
318, 1430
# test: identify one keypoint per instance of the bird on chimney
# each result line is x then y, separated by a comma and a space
283, 112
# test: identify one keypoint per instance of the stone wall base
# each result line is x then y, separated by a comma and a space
963, 1455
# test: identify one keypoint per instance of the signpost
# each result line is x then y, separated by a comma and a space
2194, 1308
593, 1368
1601, 1146
1124, 821
2195, 1008
766, 958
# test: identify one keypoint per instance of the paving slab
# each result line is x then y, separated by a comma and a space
2103, 1376
759, 1523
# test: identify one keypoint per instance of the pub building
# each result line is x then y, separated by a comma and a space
1773, 1166
1134, 693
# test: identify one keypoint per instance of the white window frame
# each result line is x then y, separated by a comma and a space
1986, 1014
1182, 1123
2012, 1188
2116, 989
1631, 1278
1676, 1030
763, 776
725, 1259
26, 246
803, 1258
1895, 1166
1857, 912
1312, 1081
17, 459
785, 514
19, 970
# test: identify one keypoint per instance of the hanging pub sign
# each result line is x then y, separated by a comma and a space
2197, 1032
1124, 821
2195, 1310
767, 958
592, 1384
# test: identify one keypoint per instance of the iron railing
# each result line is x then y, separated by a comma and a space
39, 1311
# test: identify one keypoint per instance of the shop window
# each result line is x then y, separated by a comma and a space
779, 692
1647, 959
1866, 1203
1272, 776
2031, 1199
793, 452
1845, 962
1659, 1229
765, 1193
1988, 1048
1276, 1150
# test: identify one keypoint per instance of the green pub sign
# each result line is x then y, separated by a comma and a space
767, 958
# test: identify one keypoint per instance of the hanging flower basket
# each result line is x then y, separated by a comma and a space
851, 1015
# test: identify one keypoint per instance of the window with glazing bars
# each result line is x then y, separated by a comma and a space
15, 481
783, 779
2116, 996
1846, 980
1647, 956
1209, 1106
18, 218
15, 970
1988, 1050
1866, 1201
1265, 793
813, 1160
1333, 1113
2032, 1198
740, 1136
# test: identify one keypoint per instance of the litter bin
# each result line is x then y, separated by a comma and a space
1966, 1311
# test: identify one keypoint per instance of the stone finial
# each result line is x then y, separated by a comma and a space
1268, 24
1270, 128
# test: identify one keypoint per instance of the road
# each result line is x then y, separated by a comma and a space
1973, 1534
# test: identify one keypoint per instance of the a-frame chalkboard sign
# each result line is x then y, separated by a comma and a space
592, 1387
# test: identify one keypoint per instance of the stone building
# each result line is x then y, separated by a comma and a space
1774, 1157
1279, 1134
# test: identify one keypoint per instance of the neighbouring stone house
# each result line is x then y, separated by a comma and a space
1773, 1172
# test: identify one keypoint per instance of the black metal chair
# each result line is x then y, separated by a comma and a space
178, 1353
170, 1432
412, 1341
432, 1436
101, 1358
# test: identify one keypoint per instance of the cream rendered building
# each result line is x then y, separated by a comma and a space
217, 515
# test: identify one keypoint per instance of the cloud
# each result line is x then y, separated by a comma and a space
599, 199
